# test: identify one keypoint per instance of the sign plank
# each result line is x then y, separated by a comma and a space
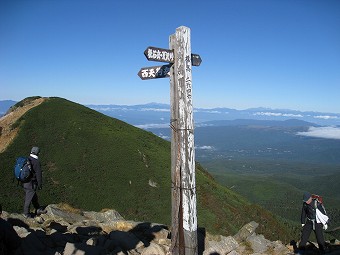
195, 60
158, 54
166, 55
154, 72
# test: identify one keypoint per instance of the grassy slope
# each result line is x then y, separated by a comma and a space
92, 161
279, 191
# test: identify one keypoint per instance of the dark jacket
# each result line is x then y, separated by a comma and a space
9, 239
309, 210
37, 176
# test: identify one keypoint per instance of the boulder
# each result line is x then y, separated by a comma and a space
104, 217
258, 243
56, 213
153, 249
246, 231
224, 246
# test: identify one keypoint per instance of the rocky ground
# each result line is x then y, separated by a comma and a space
67, 231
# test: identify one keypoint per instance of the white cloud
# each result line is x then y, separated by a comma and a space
205, 147
322, 132
165, 137
208, 111
147, 126
325, 117
279, 114
110, 109
203, 125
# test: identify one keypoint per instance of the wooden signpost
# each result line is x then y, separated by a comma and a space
183, 191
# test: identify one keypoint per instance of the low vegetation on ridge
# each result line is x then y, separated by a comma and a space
92, 161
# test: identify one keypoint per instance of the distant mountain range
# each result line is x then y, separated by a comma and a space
5, 105
155, 114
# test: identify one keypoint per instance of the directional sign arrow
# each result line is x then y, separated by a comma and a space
166, 55
196, 59
154, 72
158, 54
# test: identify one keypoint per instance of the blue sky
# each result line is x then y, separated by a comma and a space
256, 53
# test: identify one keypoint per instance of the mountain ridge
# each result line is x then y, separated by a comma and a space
214, 114
153, 112
264, 123
83, 151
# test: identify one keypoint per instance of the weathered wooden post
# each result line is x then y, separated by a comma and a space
177, 241
184, 213
183, 76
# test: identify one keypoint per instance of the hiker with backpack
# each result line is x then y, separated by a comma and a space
313, 217
9, 239
33, 184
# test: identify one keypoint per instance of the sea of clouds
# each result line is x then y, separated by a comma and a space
322, 132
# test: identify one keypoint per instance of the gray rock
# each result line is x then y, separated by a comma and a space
279, 248
82, 249
246, 231
104, 217
153, 249
224, 246
54, 212
92, 241
21, 231
233, 253
229, 242
258, 243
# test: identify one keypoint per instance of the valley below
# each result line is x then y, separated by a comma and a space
272, 166
270, 163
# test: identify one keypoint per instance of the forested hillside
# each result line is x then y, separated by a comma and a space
92, 161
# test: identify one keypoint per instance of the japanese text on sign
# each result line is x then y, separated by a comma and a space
158, 54
154, 72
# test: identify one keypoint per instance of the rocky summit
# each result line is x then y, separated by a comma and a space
68, 231
63, 230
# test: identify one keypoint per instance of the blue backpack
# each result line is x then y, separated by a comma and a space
23, 169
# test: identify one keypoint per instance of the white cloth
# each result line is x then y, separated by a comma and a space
34, 156
320, 217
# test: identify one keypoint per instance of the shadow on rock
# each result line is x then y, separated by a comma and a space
312, 249
140, 236
17, 222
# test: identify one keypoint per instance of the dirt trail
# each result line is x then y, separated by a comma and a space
7, 133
